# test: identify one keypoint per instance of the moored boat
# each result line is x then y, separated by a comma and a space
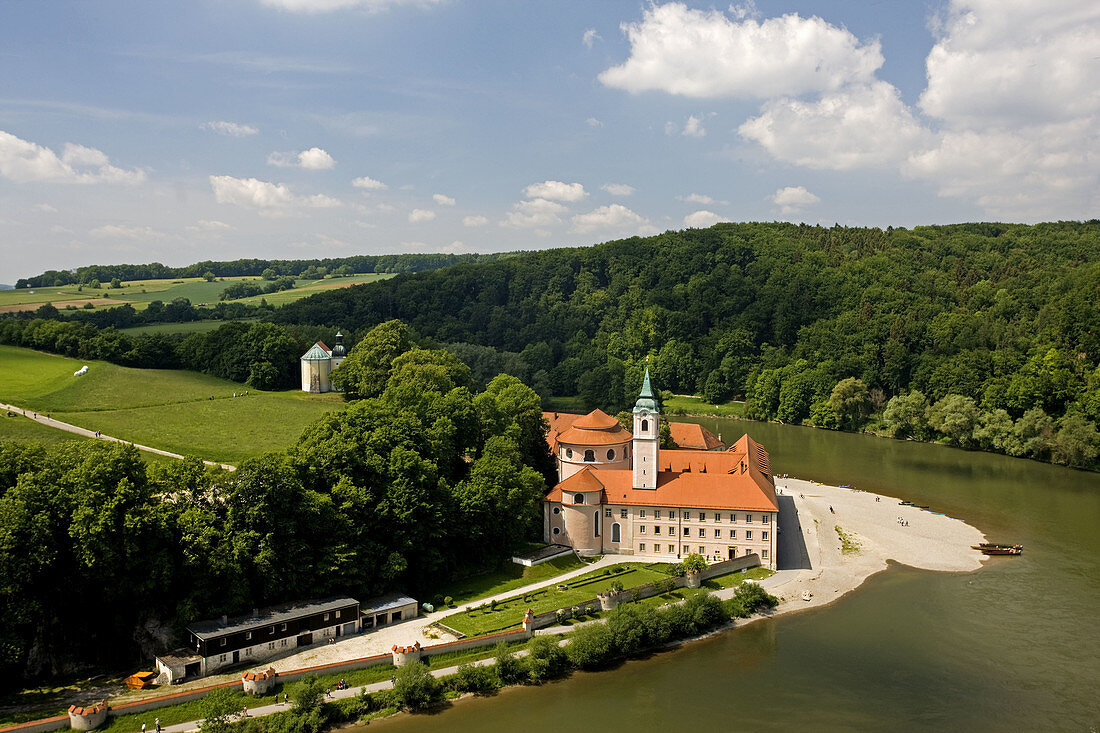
992, 548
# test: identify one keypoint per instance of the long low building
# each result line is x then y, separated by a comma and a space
213, 645
619, 493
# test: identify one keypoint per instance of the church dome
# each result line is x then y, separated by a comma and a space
338, 348
595, 428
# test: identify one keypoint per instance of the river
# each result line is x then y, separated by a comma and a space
1014, 646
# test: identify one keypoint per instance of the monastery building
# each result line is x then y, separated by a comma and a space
619, 493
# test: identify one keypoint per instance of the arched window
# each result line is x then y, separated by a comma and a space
645, 426
578, 498
568, 452
611, 454
616, 532
596, 524
589, 455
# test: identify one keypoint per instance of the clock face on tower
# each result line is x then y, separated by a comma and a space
644, 413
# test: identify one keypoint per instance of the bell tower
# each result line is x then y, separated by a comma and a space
646, 437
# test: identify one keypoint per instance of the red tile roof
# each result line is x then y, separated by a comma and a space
595, 428
690, 436
596, 420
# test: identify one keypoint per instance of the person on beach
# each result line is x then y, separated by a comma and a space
143, 728
157, 724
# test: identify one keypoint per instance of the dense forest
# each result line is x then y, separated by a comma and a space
289, 268
103, 559
1004, 317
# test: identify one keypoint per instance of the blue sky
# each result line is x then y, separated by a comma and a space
175, 132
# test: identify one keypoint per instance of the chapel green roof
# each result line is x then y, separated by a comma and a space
646, 399
316, 353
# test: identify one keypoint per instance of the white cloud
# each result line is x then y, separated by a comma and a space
704, 54
618, 189
696, 198
534, 213
327, 6
417, 216
555, 191
614, 218
859, 127
45, 208
23, 161
670, 128
272, 199
593, 122
314, 159
694, 127
590, 37
209, 225
121, 231
701, 219
443, 200
474, 221
369, 183
793, 199
232, 129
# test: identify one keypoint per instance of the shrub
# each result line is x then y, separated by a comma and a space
509, 669
217, 708
748, 598
449, 602
628, 629
414, 687
694, 563
616, 587
545, 659
705, 611
493, 605
591, 647
474, 678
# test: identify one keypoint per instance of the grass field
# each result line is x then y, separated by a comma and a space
508, 578
685, 405
168, 409
139, 293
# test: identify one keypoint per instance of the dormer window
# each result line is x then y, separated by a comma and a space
578, 498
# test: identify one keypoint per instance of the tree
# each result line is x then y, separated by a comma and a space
309, 696
694, 563
366, 370
209, 276
116, 283
956, 418
218, 709
508, 668
850, 402
906, 415
1033, 434
474, 678
414, 687
994, 431
545, 659
1077, 442
269, 274
591, 646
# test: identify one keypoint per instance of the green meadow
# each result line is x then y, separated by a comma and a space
179, 411
139, 293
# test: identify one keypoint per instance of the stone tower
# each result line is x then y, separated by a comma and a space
338, 351
646, 437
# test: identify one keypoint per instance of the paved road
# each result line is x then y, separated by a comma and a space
43, 419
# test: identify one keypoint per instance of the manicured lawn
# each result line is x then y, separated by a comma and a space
28, 431
508, 578
509, 612
168, 409
696, 406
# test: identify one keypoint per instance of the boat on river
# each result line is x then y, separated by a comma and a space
993, 548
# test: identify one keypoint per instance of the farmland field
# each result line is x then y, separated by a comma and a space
139, 293
180, 411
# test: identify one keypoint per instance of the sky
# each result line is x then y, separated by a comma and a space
218, 129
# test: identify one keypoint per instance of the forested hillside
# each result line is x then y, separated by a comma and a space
1005, 314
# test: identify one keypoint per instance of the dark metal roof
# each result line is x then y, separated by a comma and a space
387, 602
268, 616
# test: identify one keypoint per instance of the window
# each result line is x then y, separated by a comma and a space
282, 643
270, 645
578, 498
764, 536
337, 614
641, 529
557, 531
672, 548
622, 514
271, 630
702, 516
645, 426
656, 513
702, 532
656, 547
641, 547
702, 550
568, 452
326, 617
686, 531
283, 628
607, 512
748, 534
765, 554
596, 523
557, 510
641, 513
657, 529
748, 517
717, 534
733, 534
611, 454
616, 532
718, 516
764, 518
223, 641
671, 531
733, 517
589, 456
671, 513
248, 634
221, 658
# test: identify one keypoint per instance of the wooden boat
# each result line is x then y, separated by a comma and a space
992, 548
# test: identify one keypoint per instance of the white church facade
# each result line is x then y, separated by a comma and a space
620, 493
318, 363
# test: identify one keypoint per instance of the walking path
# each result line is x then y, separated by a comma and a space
95, 434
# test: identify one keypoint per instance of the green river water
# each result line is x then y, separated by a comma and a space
1012, 647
